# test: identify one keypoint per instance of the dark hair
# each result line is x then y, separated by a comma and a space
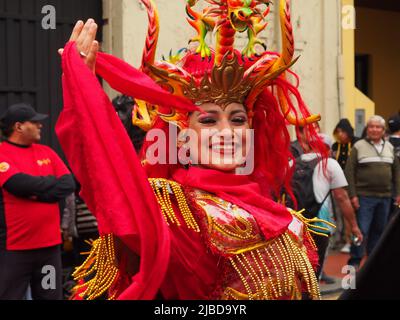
345, 125
7, 130
394, 123
122, 103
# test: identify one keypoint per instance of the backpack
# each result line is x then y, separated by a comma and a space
396, 151
396, 146
303, 188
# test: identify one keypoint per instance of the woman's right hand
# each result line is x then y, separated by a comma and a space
84, 35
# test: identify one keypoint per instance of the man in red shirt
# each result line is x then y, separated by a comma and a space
33, 179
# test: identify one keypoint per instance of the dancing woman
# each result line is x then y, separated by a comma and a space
204, 226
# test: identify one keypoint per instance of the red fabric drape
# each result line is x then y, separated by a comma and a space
102, 157
126, 79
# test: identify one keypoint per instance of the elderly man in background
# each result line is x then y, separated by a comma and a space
372, 171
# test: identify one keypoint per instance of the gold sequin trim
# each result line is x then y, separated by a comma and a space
100, 267
303, 266
287, 260
163, 190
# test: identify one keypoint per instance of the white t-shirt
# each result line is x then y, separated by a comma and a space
333, 178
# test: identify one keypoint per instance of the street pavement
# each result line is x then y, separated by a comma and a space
334, 268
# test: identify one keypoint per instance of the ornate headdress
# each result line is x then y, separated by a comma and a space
232, 77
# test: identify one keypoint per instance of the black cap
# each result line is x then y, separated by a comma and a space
394, 123
21, 112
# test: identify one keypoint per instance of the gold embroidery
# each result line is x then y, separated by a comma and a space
231, 293
240, 229
235, 230
271, 269
246, 249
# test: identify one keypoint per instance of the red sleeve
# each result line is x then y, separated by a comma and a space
114, 184
7, 170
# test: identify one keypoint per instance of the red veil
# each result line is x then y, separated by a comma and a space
104, 161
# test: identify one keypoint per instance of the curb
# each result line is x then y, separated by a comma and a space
332, 288
331, 291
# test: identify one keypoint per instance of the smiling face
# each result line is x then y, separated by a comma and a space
375, 131
220, 136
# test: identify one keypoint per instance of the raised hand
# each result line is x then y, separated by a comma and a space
84, 35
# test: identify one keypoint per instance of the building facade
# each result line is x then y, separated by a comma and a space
348, 50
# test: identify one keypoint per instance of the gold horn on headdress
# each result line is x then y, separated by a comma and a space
265, 70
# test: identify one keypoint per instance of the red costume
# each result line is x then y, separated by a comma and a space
199, 233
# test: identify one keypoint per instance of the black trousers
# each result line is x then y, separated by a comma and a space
322, 244
80, 245
41, 269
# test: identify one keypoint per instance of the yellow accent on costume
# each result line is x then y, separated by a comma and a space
309, 223
101, 265
273, 269
163, 189
259, 269
287, 260
339, 150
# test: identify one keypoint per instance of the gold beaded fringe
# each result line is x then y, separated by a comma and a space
100, 267
309, 223
163, 189
258, 279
